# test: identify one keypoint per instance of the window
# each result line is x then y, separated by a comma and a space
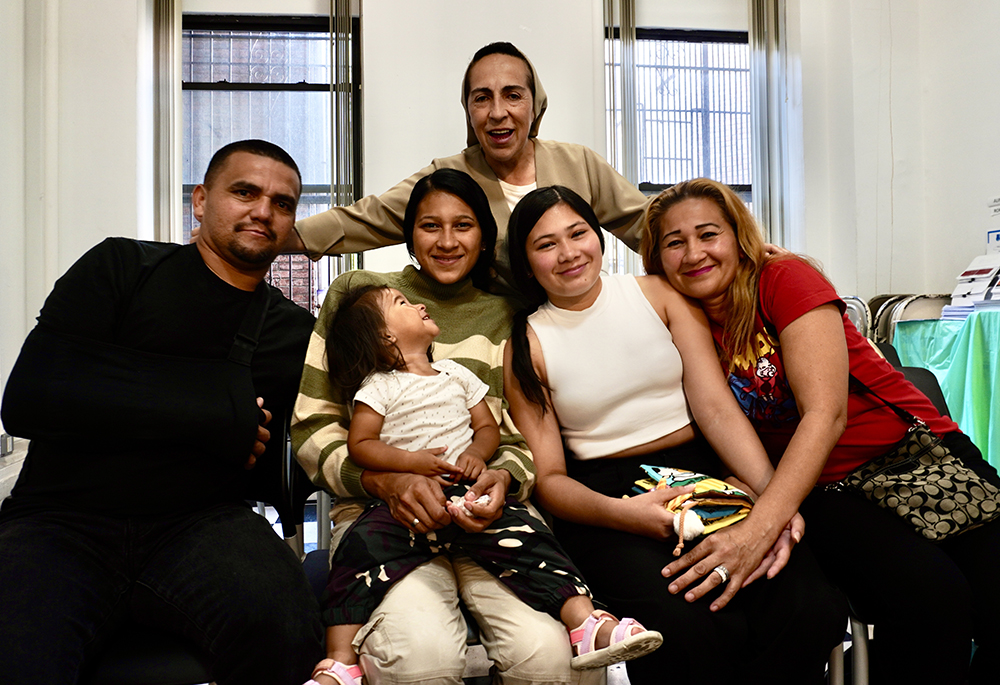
680, 108
741, 91
692, 108
269, 77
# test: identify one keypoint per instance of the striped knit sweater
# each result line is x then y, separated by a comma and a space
474, 329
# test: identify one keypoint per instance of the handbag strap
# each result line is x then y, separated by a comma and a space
245, 342
899, 411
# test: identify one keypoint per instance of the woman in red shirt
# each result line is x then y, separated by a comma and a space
789, 350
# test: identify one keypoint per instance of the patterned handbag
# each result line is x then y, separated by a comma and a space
923, 483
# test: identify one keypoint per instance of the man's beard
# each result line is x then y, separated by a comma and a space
253, 255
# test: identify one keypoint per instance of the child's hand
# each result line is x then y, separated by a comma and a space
471, 466
428, 463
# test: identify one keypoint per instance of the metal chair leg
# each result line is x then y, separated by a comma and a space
835, 666
859, 649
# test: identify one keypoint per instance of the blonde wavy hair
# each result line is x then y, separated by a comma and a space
742, 296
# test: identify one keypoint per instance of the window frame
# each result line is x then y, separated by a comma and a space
283, 268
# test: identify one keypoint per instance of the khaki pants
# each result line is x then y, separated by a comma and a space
417, 634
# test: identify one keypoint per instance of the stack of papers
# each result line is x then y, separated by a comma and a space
956, 312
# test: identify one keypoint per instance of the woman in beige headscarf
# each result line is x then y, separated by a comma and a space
504, 103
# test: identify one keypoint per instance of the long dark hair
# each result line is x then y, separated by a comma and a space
357, 343
526, 214
464, 187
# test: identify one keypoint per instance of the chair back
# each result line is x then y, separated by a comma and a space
859, 314
875, 303
880, 324
926, 382
916, 307
281, 482
889, 352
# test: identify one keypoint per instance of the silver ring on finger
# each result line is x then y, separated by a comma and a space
416, 522
722, 571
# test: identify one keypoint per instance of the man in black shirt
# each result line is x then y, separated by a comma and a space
140, 390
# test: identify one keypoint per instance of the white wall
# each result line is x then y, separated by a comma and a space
960, 107
415, 55
900, 138
719, 15
69, 140
12, 184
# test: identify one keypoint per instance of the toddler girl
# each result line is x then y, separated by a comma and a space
412, 414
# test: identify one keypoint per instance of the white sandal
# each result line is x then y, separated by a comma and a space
624, 645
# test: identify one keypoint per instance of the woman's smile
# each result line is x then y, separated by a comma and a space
565, 256
501, 136
694, 273
573, 271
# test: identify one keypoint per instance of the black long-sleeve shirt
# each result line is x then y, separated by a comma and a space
117, 423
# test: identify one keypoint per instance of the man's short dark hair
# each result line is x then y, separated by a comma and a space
254, 147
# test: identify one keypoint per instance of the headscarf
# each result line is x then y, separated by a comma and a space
539, 101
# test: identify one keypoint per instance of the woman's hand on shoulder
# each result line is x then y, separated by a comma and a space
772, 250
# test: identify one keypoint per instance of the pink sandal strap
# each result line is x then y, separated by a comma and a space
584, 636
347, 675
621, 631
629, 640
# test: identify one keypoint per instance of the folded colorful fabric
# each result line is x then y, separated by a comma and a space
714, 503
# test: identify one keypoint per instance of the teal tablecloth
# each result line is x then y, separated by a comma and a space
965, 357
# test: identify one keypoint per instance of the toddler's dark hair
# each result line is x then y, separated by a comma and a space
357, 344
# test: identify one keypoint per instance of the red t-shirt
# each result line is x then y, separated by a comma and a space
788, 289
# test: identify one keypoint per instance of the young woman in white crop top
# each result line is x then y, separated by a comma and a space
602, 365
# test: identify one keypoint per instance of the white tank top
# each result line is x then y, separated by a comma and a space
614, 371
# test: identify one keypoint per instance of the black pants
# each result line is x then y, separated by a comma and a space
927, 601
220, 577
773, 631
